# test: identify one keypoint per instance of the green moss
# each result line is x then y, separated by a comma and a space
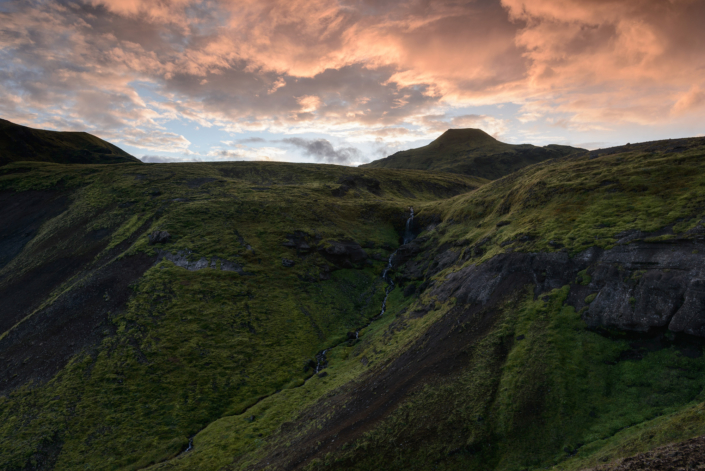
198, 354
590, 298
583, 278
193, 347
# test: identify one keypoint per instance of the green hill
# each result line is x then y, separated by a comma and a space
21, 143
472, 152
260, 315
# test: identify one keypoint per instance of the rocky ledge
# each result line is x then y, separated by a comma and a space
638, 287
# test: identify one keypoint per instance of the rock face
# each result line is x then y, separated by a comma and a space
159, 237
635, 287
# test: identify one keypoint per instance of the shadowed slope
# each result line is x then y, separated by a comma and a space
21, 143
472, 152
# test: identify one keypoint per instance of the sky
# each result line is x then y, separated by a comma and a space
351, 81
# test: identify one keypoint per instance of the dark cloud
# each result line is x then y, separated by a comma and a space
323, 151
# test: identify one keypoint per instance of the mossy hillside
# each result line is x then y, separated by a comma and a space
576, 203
242, 441
194, 346
540, 390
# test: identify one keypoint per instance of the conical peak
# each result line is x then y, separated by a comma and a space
468, 136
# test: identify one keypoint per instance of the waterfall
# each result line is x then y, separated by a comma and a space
321, 361
390, 283
408, 234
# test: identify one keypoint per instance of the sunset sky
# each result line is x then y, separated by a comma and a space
347, 82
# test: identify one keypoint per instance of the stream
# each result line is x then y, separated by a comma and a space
321, 360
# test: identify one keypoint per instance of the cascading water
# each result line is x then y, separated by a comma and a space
390, 283
321, 361
408, 234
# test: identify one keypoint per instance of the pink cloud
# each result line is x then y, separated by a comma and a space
304, 65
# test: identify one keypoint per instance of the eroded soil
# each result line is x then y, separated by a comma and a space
685, 456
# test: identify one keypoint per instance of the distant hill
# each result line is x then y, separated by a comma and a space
472, 152
21, 143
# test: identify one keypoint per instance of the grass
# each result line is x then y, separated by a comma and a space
558, 397
192, 347
220, 357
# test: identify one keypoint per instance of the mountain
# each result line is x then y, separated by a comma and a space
21, 143
472, 152
262, 315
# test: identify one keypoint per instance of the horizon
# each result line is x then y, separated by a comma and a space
350, 82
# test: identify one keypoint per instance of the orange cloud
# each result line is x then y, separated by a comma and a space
364, 67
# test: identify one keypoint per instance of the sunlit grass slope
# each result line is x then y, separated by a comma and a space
191, 347
580, 202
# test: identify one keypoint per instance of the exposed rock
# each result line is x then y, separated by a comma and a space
637, 286
301, 241
345, 254
181, 259
159, 237
288, 263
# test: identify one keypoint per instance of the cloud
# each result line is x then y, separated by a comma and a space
610, 61
400, 69
250, 140
323, 151
693, 100
247, 153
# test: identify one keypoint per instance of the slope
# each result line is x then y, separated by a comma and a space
21, 143
116, 349
472, 152
499, 350
550, 318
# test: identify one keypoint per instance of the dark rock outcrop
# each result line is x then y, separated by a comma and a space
182, 259
159, 237
636, 287
301, 241
345, 254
